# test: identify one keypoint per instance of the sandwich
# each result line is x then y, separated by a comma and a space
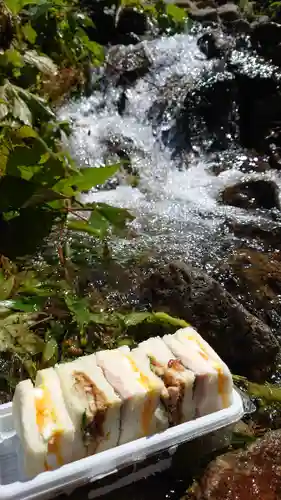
177, 381
138, 388
42, 423
213, 385
92, 404
225, 382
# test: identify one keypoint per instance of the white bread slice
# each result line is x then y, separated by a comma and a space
155, 417
225, 382
178, 382
24, 416
56, 424
206, 396
42, 423
133, 388
93, 406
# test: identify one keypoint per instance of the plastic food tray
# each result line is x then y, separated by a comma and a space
14, 486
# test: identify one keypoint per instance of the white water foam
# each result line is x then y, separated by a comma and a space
177, 212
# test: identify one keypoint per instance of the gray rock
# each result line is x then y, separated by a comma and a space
202, 15
212, 45
252, 194
266, 39
240, 26
126, 64
229, 12
244, 342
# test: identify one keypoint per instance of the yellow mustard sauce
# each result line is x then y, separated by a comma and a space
149, 404
216, 366
45, 413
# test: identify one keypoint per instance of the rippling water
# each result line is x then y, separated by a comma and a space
176, 200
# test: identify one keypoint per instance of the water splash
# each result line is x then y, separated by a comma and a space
176, 201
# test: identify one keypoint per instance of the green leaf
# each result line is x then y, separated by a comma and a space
102, 319
27, 304
87, 178
14, 57
41, 196
6, 287
14, 192
26, 132
84, 227
79, 308
15, 6
4, 104
166, 318
271, 393
116, 216
98, 223
16, 336
22, 156
50, 352
22, 111
136, 318
37, 105
126, 341
29, 33
176, 13
42, 63
96, 50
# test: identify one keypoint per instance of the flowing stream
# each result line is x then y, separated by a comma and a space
176, 200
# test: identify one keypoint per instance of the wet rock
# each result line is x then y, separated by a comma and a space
243, 341
240, 26
266, 39
252, 194
202, 4
252, 165
244, 475
229, 12
254, 278
266, 232
125, 64
205, 14
103, 30
125, 26
131, 20
212, 45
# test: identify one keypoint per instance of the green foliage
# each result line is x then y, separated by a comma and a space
169, 18
44, 319
39, 183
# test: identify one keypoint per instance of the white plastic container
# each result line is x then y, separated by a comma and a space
13, 486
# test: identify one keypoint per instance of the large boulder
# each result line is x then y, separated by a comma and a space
266, 232
252, 194
243, 341
266, 39
125, 64
252, 474
255, 277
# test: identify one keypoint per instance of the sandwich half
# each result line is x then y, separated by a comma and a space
138, 389
206, 391
225, 382
178, 382
42, 423
93, 406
